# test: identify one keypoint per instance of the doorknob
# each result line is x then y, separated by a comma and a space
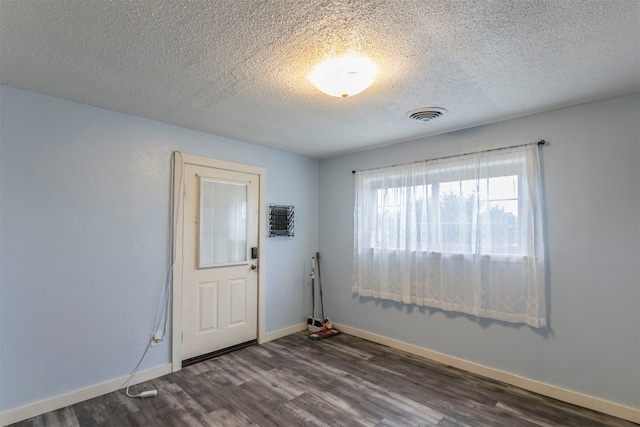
254, 267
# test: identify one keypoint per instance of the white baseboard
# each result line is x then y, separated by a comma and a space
34, 409
286, 331
559, 393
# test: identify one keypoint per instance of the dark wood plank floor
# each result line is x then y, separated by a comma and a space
340, 381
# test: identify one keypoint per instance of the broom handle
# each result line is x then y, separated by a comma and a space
320, 287
313, 291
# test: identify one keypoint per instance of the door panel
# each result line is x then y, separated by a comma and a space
238, 302
220, 287
208, 306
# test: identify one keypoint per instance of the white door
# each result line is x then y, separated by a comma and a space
219, 275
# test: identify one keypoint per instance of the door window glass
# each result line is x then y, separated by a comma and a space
222, 237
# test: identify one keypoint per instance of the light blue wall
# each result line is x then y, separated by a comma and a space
591, 169
84, 202
84, 218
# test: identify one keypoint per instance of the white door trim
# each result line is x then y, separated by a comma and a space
178, 191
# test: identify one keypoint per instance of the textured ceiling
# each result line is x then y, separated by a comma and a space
239, 68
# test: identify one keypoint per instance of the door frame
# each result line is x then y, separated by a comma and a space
180, 161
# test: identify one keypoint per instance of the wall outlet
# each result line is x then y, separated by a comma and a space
156, 338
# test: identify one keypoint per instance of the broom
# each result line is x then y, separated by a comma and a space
326, 331
313, 324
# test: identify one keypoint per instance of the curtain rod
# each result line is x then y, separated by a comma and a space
541, 142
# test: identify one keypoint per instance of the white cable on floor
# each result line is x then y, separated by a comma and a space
148, 393
162, 317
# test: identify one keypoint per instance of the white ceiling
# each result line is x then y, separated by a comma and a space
239, 68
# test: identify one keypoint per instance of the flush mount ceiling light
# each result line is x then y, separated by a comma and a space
345, 76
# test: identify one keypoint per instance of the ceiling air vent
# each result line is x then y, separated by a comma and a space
426, 114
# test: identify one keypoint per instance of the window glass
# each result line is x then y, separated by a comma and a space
222, 223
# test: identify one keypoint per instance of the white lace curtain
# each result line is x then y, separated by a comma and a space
462, 234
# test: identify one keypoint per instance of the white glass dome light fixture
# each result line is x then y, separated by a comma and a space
344, 76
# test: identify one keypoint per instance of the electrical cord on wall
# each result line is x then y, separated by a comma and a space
162, 317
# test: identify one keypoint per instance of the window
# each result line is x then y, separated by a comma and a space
446, 213
461, 233
222, 223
